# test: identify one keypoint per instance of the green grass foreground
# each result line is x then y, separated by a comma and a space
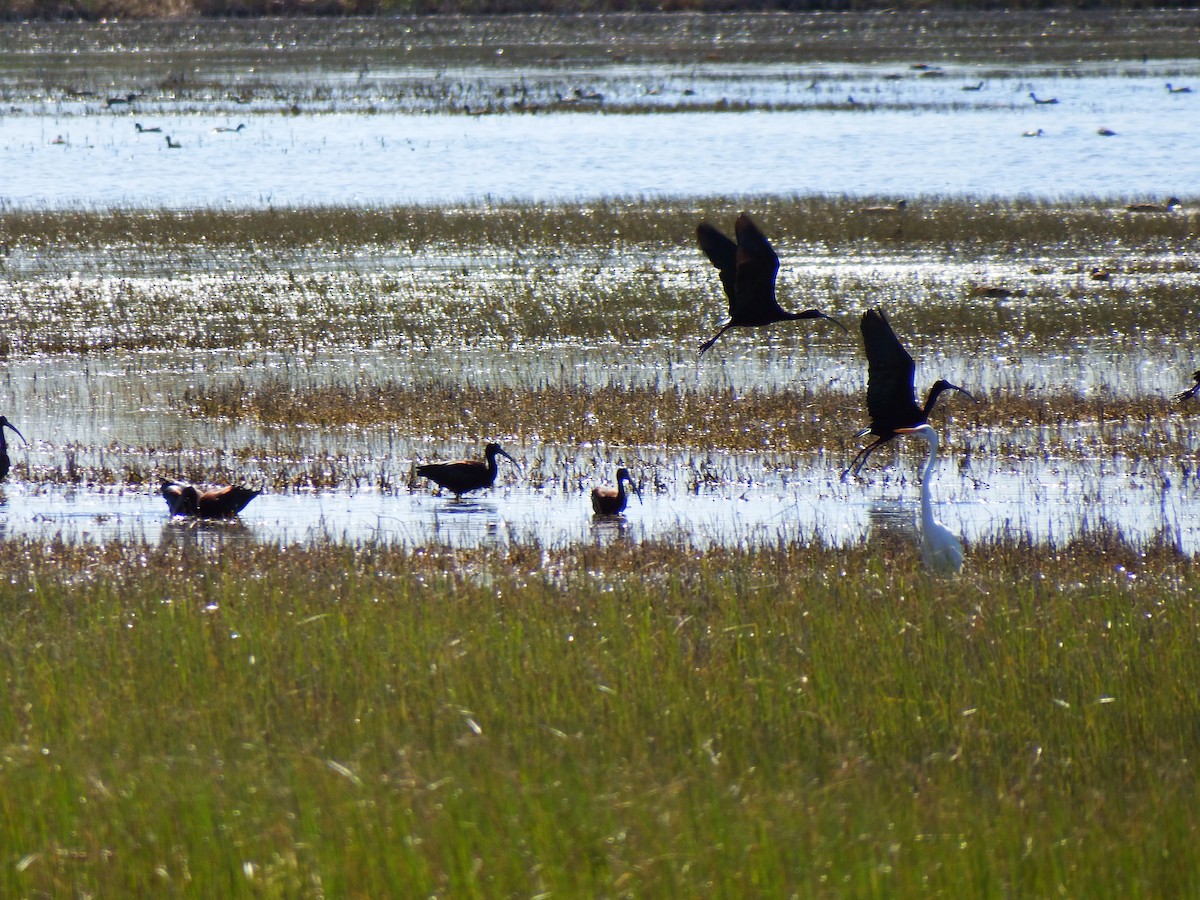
379, 722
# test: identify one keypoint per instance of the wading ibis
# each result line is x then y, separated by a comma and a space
940, 547
748, 270
218, 503
463, 475
1181, 396
5, 463
610, 501
891, 397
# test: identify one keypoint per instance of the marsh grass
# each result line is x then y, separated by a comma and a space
944, 224
245, 720
687, 416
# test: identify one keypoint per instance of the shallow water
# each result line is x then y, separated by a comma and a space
799, 134
399, 135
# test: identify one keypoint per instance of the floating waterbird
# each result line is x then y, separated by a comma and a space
218, 503
119, 101
748, 269
894, 210
1047, 102
225, 129
462, 475
173, 145
891, 397
940, 547
1181, 396
59, 139
1099, 274
1178, 90
155, 130
609, 501
1106, 132
1169, 206
5, 462
991, 291
1037, 133
973, 87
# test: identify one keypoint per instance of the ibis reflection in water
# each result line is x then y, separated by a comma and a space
941, 549
217, 503
891, 397
5, 462
748, 269
463, 475
610, 501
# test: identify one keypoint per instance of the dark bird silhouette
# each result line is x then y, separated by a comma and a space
1178, 90
891, 397
5, 462
462, 475
119, 101
1099, 274
225, 129
748, 269
218, 503
973, 87
1169, 206
1181, 396
610, 501
155, 130
1106, 132
1048, 102
173, 145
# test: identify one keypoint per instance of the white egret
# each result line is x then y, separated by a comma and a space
940, 547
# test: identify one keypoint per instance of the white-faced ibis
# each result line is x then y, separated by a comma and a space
1047, 102
748, 269
142, 130
463, 475
173, 145
1169, 206
5, 463
891, 397
940, 547
217, 503
1181, 396
610, 501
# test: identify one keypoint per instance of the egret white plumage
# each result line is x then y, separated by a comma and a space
941, 549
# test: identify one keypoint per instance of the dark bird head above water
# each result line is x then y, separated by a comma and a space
748, 269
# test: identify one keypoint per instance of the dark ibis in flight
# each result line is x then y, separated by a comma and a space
748, 270
610, 501
5, 463
891, 397
463, 475
216, 503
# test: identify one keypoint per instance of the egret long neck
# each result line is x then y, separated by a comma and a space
926, 476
